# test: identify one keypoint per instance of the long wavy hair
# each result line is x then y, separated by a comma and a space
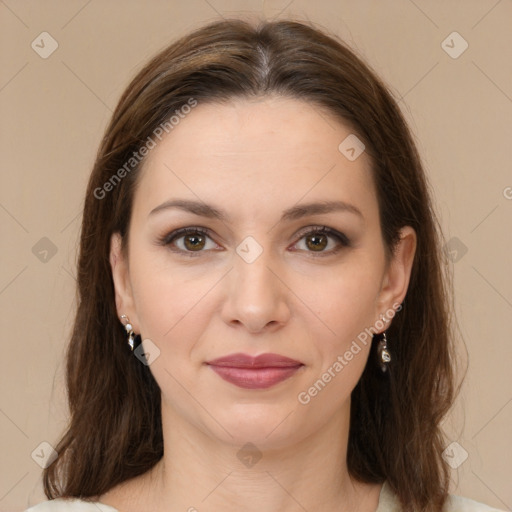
114, 431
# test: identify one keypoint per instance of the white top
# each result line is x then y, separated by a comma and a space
387, 503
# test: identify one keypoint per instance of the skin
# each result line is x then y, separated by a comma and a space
253, 159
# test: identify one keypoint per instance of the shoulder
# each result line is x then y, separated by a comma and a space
70, 505
461, 504
388, 502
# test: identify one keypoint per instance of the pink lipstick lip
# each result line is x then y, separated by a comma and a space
254, 378
266, 360
258, 372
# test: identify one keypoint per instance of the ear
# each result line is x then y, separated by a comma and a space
398, 273
122, 285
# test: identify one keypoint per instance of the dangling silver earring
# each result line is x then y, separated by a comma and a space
129, 330
384, 357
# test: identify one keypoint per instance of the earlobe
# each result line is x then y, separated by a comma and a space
120, 277
396, 281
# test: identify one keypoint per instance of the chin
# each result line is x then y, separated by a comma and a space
266, 426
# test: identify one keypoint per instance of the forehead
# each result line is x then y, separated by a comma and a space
242, 125
260, 151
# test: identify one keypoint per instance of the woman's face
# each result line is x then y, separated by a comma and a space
252, 181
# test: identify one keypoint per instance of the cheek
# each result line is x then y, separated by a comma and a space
346, 304
345, 300
165, 305
174, 314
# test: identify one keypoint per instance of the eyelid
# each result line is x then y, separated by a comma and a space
325, 230
167, 239
342, 239
177, 233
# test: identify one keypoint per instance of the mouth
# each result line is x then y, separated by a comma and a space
261, 372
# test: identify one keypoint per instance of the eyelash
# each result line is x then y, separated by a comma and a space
342, 239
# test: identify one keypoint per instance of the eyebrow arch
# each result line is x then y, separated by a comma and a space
293, 213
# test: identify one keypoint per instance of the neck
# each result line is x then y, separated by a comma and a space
198, 472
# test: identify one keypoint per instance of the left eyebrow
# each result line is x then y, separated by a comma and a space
296, 212
299, 211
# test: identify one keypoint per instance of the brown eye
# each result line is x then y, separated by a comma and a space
317, 242
194, 242
322, 241
189, 240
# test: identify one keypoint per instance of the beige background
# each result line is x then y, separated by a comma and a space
54, 110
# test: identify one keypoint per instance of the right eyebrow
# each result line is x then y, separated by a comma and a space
195, 207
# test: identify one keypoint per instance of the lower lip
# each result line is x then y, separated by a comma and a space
254, 378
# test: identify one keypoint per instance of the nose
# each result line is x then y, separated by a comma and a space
256, 297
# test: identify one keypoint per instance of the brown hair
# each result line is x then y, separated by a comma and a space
115, 430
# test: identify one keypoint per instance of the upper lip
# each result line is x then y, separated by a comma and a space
268, 360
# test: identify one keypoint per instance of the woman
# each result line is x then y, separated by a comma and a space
264, 316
